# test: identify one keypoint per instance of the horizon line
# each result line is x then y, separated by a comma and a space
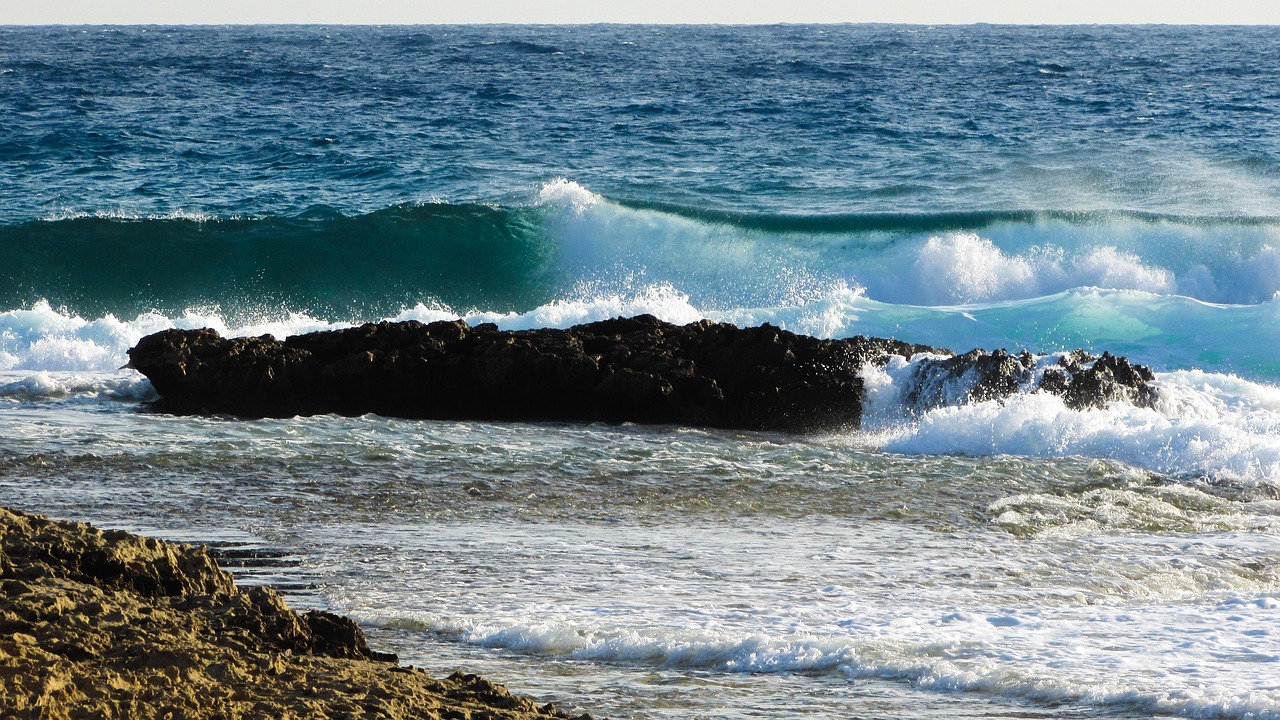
638, 24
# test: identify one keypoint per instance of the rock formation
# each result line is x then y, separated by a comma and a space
107, 624
1083, 380
628, 369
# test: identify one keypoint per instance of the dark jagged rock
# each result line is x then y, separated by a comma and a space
974, 376
1083, 381
638, 369
1106, 379
628, 369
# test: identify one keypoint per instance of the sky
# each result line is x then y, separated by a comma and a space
21, 12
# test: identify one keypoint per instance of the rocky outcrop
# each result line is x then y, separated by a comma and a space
636, 369
1083, 380
107, 624
628, 369
1088, 381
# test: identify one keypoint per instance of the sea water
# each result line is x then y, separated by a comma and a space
1043, 188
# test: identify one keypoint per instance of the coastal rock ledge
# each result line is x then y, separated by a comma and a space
638, 369
106, 624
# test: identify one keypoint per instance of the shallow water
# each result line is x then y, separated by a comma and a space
664, 572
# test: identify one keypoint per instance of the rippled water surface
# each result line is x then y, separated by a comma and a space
663, 572
1048, 188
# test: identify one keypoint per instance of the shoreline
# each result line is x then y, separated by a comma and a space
98, 623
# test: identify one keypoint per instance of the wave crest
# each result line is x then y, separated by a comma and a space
525, 255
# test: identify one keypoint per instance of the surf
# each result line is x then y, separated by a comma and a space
563, 237
1169, 292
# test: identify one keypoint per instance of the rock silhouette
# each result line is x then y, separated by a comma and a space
638, 369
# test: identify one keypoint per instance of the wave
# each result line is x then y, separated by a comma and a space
526, 254
1031, 654
83, 289
320, 262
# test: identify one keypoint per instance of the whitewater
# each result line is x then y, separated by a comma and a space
1040, 189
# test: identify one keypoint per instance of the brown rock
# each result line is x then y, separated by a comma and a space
107, 624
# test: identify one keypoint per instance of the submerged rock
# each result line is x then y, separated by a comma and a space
637, 369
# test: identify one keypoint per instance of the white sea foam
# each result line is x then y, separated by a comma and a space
662, 301
129, 386
1209, 422
965, 268
1018, 261
1042, 654
126, 214
1215, 426
1179, 626
41, 338
566, 194
723, 265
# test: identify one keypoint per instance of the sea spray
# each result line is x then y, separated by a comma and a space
513, 258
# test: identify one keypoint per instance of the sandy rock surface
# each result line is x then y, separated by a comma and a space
106, 624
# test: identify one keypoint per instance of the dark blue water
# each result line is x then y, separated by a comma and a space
356, 173
793, 119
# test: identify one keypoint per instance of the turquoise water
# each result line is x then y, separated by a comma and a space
1041, 187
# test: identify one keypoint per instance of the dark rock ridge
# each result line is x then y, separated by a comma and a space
637, 369
1083, 380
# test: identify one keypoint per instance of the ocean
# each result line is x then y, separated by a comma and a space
1042, 188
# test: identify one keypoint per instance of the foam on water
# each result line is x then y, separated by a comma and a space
41, 338
1238, 265
566, 194
1209, 423
726, 262
128, 386
61, 214
590, 305
1143, 507
1172, 625
966, 268
1213, 426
